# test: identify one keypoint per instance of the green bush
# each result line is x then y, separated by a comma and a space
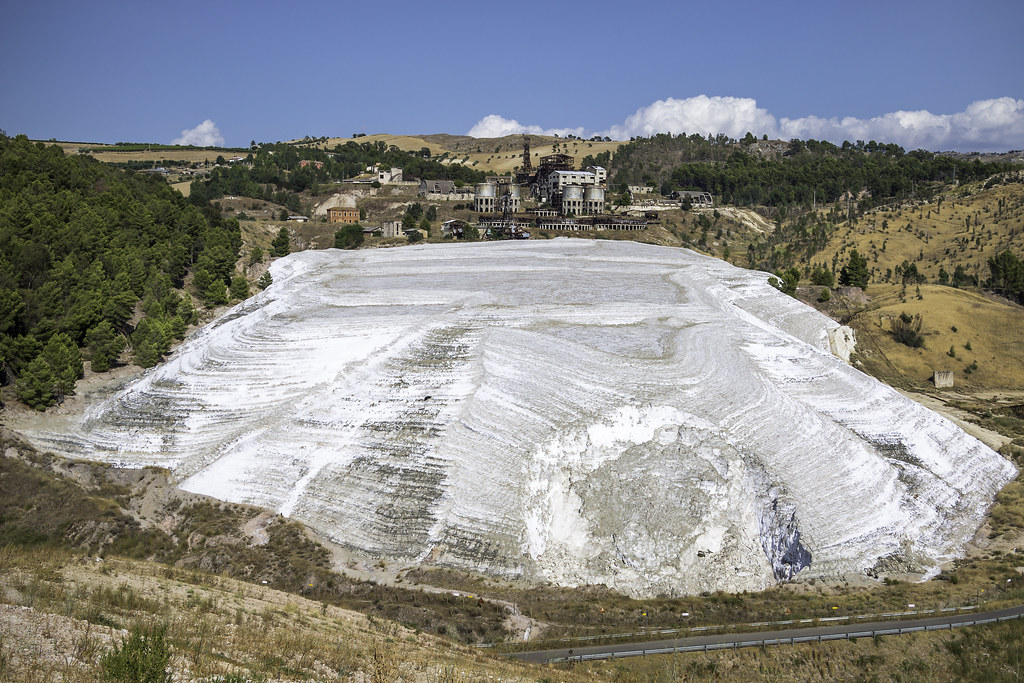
822, 277
786, 281
349, 236
142, 657
906, 330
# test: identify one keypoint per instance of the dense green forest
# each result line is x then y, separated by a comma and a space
276, 175
92, 259
749, 172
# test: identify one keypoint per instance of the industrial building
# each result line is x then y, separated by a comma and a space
592, 223
555, 182
491, 197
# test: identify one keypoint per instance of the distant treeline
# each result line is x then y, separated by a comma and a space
276, 169
802, 173
82, 245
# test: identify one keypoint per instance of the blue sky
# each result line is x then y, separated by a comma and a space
141, 71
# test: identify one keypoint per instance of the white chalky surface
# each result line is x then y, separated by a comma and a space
569, 411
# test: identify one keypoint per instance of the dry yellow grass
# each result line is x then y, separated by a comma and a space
509, 154
967, 227
951, 319
508, 157
111, 154
74, 608
406, 143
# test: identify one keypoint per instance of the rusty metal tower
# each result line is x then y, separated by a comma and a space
527, 166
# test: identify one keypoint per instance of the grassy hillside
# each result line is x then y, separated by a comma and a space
963, 226
114, 154
63, 614
980, 338
494, 155
910, 248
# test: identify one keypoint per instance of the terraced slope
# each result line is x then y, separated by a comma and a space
570, 411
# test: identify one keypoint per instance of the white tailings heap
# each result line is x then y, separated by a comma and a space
569, 411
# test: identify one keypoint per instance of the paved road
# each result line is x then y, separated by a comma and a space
782, 637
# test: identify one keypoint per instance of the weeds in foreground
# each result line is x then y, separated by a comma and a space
143, 657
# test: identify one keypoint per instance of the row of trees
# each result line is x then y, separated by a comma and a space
1007, 275
93, 258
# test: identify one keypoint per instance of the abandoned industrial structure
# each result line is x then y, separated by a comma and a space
556, 183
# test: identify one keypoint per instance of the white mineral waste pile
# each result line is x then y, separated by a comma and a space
569, 411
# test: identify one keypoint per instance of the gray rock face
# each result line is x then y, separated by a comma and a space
568, 411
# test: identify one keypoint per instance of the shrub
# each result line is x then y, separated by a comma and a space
141, 658
349, 236
906, 330
787, 281
822, 277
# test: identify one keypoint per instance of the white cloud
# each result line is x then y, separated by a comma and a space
206, 134
986, 125
734, 116
494, 126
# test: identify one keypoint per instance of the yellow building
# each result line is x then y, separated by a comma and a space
343, 214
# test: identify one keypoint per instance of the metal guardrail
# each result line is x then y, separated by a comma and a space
764, 642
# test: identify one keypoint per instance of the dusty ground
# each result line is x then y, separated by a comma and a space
216, 626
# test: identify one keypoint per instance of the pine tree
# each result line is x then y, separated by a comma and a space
217, 293
119, 301
105, 344
239, 287
65, 361
265, 280
177, 327
855, 272
11, 307
281, 246
348, 237
187, 310
35, 386
201, 280
150, 341
145, 354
